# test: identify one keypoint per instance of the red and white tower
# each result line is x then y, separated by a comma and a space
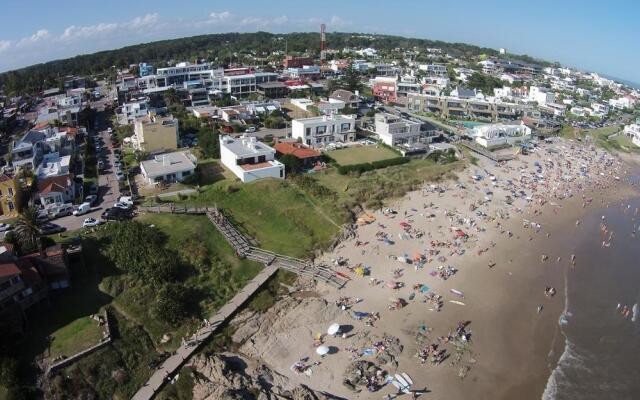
323, 43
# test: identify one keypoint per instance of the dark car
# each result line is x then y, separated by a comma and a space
50, 229
116, 214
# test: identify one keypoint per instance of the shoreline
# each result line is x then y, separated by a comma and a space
511, 344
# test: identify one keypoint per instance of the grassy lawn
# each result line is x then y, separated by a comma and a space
78, 335
375, 187
280, 216
361, 154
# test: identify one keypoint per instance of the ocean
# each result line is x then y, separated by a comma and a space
601, 346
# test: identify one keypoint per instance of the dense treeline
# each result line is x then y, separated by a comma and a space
221, 47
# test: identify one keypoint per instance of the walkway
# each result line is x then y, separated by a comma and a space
183, 353
484, 152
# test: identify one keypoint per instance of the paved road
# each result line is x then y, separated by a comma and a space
108, 190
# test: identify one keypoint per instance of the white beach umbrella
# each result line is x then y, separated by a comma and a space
322, 350
333, 329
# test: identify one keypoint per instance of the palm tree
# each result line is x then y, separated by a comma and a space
27, 229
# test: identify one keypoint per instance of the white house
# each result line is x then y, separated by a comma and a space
541, 95
249, 159
633, 130
393, 130
622, 103
320, 131
600, 108
499, 134
169, 167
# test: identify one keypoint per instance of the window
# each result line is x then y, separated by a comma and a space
321, 129
345, 127
10, 190
308, 132
11, 206
281, 173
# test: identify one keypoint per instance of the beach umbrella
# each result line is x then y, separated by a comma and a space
322, 350
333, 329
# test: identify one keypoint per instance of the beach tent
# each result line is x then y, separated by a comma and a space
360, 270
333, 329
322, 350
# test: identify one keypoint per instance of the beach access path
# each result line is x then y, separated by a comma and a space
166, 371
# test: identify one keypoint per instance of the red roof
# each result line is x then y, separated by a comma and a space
297, 150
56, 182
9, 269
41, 125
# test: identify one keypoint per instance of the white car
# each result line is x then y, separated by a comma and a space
5, 227
90, 222
122, 206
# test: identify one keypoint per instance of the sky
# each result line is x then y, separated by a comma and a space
597, 36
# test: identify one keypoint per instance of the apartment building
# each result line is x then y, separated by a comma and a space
296, 62
249, 159
496, 135
155, 134
541, 95
396, 131
434, 69
385, 88
320, 131
8, 195
452, 107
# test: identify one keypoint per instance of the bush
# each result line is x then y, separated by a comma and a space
364, 167
171, 304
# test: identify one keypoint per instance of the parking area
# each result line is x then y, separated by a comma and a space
108, 188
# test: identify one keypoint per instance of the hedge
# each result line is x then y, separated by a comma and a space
364, 167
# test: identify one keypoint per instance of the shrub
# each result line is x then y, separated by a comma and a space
364, 167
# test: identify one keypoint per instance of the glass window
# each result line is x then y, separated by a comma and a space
321, 129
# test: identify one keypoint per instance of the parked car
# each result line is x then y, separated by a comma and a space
91, 199
50, 229
250, 129
109, 130
90, 222
82, 209
5, 227
126, 200
122, 206
115, 214
63, 211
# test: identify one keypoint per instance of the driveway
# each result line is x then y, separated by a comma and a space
108, 189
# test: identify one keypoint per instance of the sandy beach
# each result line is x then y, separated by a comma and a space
488, 244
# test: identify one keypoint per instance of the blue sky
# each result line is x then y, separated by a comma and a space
603, 37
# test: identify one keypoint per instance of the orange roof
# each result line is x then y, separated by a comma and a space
296, 149
41, 125
56, 182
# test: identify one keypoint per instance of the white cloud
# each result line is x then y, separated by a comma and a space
224, 16
39, 36
262, 22
147, 20
4, 45
74, 32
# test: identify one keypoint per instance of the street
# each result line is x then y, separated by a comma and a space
108, 189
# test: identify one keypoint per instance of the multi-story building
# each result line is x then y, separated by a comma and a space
169, 167
145, 69
321, 131
129, 112
452, 107
385, 88
296, 62
305, 72
600, 108
396, 131
541, 95
495, 135
249, 159
433, 69
633, 130
155, 134
8, 196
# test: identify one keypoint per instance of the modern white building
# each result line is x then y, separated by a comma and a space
600, 108
395, 131
495, 135
633, 130
622, 103
433, 69
250, 159
320, 131
169, 167
541, 95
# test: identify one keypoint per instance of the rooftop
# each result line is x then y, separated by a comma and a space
296, 149
244, 146
169, 163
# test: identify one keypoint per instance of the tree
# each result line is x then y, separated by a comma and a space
27, 230
140, 251
351, 79
291, 163
209, 143
171, 304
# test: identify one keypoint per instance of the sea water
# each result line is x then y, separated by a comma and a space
601, 358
